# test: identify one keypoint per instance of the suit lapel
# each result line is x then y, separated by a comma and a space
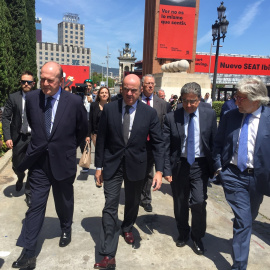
41, 107
19, 102
117, 116
180, 123
262, 129
62, 105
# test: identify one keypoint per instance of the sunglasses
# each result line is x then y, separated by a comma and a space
89, 80
24, 82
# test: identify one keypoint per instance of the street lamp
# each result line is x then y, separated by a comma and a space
107, 59
102, 71
220, 27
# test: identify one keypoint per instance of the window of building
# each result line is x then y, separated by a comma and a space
62, 59
40, 57
40, 52
73, 55
87, 62
66, 41
67, 60
57, 59
52, 53
40, 62
81, 33
63, 55
71, 26
76, 42
83, 61
57, 54
71, 36
66, 25
66, 31
78, 56
76, 33
68, 55
87, 57
81, 38
66, 36
81, 43
46, 53
81, 27
51, 58
83, 57
46, 58
71, 41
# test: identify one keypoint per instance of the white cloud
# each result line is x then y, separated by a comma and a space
246, 19
205, 39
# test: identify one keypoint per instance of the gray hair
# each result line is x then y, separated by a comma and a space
147, 75
192, 87
254, 88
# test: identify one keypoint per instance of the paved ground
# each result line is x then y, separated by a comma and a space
155, 232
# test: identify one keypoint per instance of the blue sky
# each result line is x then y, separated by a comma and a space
112, 23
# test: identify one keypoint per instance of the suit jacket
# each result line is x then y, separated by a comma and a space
226, 142
12, 117
93, 115
111, 148
174, 134
227, 106
69, 129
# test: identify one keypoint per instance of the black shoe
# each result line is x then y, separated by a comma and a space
198, 247
28, 200
19, 185
147, 207
65, 239
24, 261
181, 241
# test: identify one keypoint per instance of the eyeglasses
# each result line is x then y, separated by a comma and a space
150, 83
24, 82
192, 102
239, 99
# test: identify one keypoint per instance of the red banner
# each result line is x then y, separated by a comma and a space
75, 74
233, 65
176, 29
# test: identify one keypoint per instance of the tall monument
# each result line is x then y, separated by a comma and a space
126, 61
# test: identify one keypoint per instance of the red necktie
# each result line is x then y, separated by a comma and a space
148, 103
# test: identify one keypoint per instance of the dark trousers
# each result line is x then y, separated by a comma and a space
41, 180
148, 181
240, 192
110, 230
18, 154
189, 189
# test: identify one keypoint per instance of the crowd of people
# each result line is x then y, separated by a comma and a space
139, 138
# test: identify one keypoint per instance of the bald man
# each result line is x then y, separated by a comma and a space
121, 151
58, 122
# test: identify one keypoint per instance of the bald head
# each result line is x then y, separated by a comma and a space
131, 89
51, 78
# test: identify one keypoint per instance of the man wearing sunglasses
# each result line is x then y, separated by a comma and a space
16, 130
241, 153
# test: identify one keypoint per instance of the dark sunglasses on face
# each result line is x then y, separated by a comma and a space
28, 82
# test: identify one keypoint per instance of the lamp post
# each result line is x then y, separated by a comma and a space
220, 27
107, 59
102, 71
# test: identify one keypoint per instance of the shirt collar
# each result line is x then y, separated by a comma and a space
56, 95
258, 112
134, 106
196, 113
144, 97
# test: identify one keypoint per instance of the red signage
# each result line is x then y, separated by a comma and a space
75, 74
176, 29
233, 65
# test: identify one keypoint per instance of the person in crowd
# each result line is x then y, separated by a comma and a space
161, 94
189, 137
58, 121
121, 152
119, 95
174, 103
147, 96
227, 106
103, 97
87, 101
16, 130
241, 154
67, 88
207, 99
171, 98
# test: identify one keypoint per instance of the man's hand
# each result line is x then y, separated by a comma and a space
9, 144
99, 177
157, 181
168, 178
89, 99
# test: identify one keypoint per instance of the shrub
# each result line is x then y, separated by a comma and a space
4, 147
216, 105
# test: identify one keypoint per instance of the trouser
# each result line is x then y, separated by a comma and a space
189, 189
240, 192
18, 154
110, 230
41, 180
148, 181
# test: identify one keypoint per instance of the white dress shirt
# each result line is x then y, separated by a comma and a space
150, 99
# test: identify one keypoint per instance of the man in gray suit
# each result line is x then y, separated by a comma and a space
16, 129
148, 85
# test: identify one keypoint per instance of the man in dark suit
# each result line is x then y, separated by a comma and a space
148, 85
16, 130
58, 121
227, 106
121, 152
189, 136
241, 154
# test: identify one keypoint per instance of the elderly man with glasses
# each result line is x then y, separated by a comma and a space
241, 153
16, 130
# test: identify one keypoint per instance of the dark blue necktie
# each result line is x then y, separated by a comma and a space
48, 116
191, 140
242, 145
126, 123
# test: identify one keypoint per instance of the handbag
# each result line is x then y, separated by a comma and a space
85, 160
